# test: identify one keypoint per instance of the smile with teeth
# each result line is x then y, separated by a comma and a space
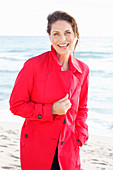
63, 45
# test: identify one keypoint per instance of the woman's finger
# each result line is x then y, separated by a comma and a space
65, 98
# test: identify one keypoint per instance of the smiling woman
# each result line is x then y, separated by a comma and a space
62, 37
51, 93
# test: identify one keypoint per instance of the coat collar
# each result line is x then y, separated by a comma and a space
73, 63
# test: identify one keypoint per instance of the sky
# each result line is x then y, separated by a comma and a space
29, 17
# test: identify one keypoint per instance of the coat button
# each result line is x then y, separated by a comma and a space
26, 135
62, 142
77, 140
64, 121
39, 116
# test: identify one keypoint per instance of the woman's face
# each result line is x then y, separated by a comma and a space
62, 37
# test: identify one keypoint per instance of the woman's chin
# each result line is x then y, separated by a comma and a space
63, 51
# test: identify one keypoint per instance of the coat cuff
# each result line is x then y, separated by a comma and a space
82, 140
43, 112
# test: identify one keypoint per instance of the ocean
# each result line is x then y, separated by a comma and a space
97, 52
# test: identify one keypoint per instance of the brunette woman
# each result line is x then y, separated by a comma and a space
51, 93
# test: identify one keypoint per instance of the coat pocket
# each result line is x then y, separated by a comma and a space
26, 132
76, 140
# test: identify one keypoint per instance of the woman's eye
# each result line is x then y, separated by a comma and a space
68, 32
55, 33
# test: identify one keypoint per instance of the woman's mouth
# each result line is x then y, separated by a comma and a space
63, 46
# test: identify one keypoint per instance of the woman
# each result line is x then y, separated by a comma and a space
51, 92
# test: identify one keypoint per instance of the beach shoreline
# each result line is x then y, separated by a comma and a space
97, 153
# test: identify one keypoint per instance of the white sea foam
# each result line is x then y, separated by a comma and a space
101, 124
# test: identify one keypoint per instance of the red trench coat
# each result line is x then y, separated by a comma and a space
38, 85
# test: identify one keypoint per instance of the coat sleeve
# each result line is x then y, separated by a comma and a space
81, 126
20, 99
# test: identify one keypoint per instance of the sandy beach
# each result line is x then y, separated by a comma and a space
97, 153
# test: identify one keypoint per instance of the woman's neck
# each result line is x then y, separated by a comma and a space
64, 61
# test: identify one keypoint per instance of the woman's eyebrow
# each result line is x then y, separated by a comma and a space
59, 31
55, 31
67, 30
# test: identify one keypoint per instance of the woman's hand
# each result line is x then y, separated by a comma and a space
61, 106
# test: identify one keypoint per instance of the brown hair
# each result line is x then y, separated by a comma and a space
60, 15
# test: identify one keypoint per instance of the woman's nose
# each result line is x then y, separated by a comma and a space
62, 37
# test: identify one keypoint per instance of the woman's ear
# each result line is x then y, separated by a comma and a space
49, 36
75, 35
